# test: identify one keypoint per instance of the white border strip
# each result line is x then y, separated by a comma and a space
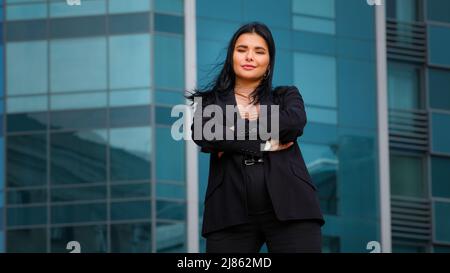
383, 133
190, 75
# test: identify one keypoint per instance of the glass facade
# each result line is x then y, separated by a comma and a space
86, 94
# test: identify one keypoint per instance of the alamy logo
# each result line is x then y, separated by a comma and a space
375, 246
374, 2
74, 246
73, 2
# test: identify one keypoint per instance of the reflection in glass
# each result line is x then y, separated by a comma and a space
171, 237
91, 238
407, 175
131, 238
322, 164
26, 240
130, 152
78, 157
132, 210
26, 160
404, 83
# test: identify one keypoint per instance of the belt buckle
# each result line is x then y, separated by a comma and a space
249, 162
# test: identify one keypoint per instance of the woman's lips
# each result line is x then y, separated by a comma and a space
248, 67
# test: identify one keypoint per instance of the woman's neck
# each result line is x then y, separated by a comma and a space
245, 89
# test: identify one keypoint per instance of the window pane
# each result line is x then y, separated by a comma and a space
26, 160
78, 101
130, 151
78, 213
403, 10
440, 133
169, 23
129, 23
171, 190
131, 238
129, 61
78, 119
130, 97
91, 238
26, 240
26, 59
439, 86
322, 164
169, 6
169, 59
90, 7
120, 6
26, 12
441, 222
315, 77
27, 122
78, 157
306, 23
438, 10
164, 116
170, 210
78, 64
398, 248
403, 86
440, 173
72, 27
130, 190
27, 216
130, 210
439, 43
26, 30
27, 196
129, 116
170, 156
330, 244
320, 8
171, 237
81, 193
169, 97
407, 176
27, 104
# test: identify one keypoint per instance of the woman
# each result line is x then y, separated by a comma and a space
259, 191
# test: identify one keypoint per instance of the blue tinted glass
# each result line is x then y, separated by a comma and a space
437, 10
26, 122
350, 12
129, 190
439, 86
440, 132
273, 13
91, 7
129, 23
26, 160
219, 9
169, 97
169, 61
171, 190
170, 156
441, 222
78, 157
92, 239
78, 213
81, 193
403, 86
95, 118
78, 101
163, 115
26, 30
320, 8
315, 77
407, 176
27, 216
439, 43
26, 12
129, 61
169, 23
130, 210
130, 153
171, 210
26, 240
129, 116
27, 104
322, 164
314, 42
130, 97
223, 30
319, 25
174, 235
131, 238
401, 10
77, 27
26, 59
440, 172
120, 6
27, 196
321, 115
169, 6
78, 64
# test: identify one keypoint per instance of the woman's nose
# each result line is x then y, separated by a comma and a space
249, 56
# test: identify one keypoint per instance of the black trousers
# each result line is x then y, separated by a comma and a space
291, 236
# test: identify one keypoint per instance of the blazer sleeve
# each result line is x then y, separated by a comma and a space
292, 115
246, 146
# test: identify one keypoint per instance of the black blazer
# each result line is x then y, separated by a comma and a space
289, 184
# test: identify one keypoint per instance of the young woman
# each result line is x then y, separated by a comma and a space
259, 191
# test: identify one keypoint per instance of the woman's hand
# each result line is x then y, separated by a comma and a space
250, 112
277, 146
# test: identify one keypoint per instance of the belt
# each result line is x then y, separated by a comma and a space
250, 160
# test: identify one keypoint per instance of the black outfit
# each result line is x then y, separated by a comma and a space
274, 200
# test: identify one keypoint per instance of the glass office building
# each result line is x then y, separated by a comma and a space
87, 92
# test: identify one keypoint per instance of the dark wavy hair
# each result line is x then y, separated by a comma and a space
226, 79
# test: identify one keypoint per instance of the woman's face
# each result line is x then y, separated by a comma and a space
250, 57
